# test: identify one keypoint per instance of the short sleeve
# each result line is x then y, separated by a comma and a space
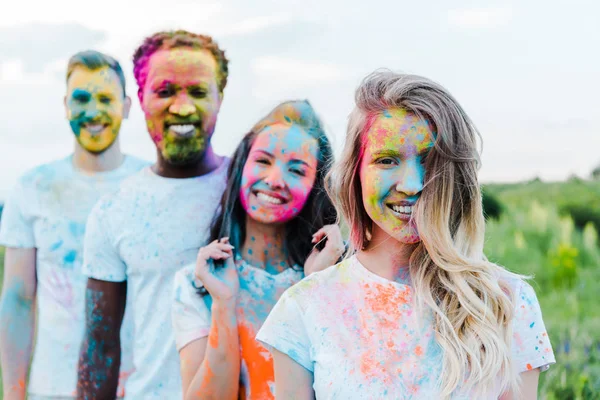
101, 259
189, 313
284, 330
16, 227
531, 345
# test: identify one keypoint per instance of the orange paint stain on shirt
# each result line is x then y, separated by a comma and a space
386, 301
418, 351
260, 365
529, 367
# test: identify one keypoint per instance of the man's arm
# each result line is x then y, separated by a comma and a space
17, 319
100, 355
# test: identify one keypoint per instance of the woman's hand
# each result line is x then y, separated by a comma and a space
330, 254
222, 283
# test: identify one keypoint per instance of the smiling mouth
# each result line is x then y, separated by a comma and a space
270, 198
404, 212
183, 130
95, 128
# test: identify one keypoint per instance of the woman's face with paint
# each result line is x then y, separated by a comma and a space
95, 106
181, 100
392, 171
279, 173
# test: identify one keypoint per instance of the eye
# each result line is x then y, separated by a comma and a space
165, 92
386, 161
81, 98
105, 100
298, 171
264, 161
198, 93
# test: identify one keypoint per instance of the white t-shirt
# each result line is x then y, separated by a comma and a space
144, 234
363, 338
48, 210
259, 291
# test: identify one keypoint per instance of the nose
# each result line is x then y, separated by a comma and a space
91, 112
182, 106
274, 178
411, 178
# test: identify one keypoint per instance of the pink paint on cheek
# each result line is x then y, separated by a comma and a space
294, 206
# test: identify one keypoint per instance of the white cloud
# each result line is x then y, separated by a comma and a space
252, 25
298, 71
12, 72
480, 17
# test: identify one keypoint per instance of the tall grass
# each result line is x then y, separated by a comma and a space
534, 239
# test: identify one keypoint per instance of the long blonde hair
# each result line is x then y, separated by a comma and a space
471, 302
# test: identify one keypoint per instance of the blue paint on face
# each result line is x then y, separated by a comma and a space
84, 109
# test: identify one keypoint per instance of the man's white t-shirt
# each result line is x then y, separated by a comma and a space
48, 210
144, 234
363, 338
259, 291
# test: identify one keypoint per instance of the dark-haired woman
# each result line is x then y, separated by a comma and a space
265, 238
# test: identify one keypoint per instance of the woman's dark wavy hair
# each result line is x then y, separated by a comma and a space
318, 211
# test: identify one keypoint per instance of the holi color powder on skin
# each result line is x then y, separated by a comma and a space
259, 291
181, 100
392, 171
95, 107
279, 173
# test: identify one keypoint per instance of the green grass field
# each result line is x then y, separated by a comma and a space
534, 237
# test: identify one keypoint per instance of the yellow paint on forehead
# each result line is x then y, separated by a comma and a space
170, 64
100, 80
395, 128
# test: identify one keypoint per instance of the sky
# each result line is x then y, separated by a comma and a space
528, 73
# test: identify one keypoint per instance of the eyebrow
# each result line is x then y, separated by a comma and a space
80, 92
161, 84
167, 83
293, 160
386, 153
394, 153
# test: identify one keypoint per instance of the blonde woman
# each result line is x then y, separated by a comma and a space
417, 311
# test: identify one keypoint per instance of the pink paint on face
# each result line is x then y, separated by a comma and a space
392, 172
279, 173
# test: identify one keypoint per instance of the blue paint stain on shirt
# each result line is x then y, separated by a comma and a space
77, 230
56, 245
70, 257
532, 324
